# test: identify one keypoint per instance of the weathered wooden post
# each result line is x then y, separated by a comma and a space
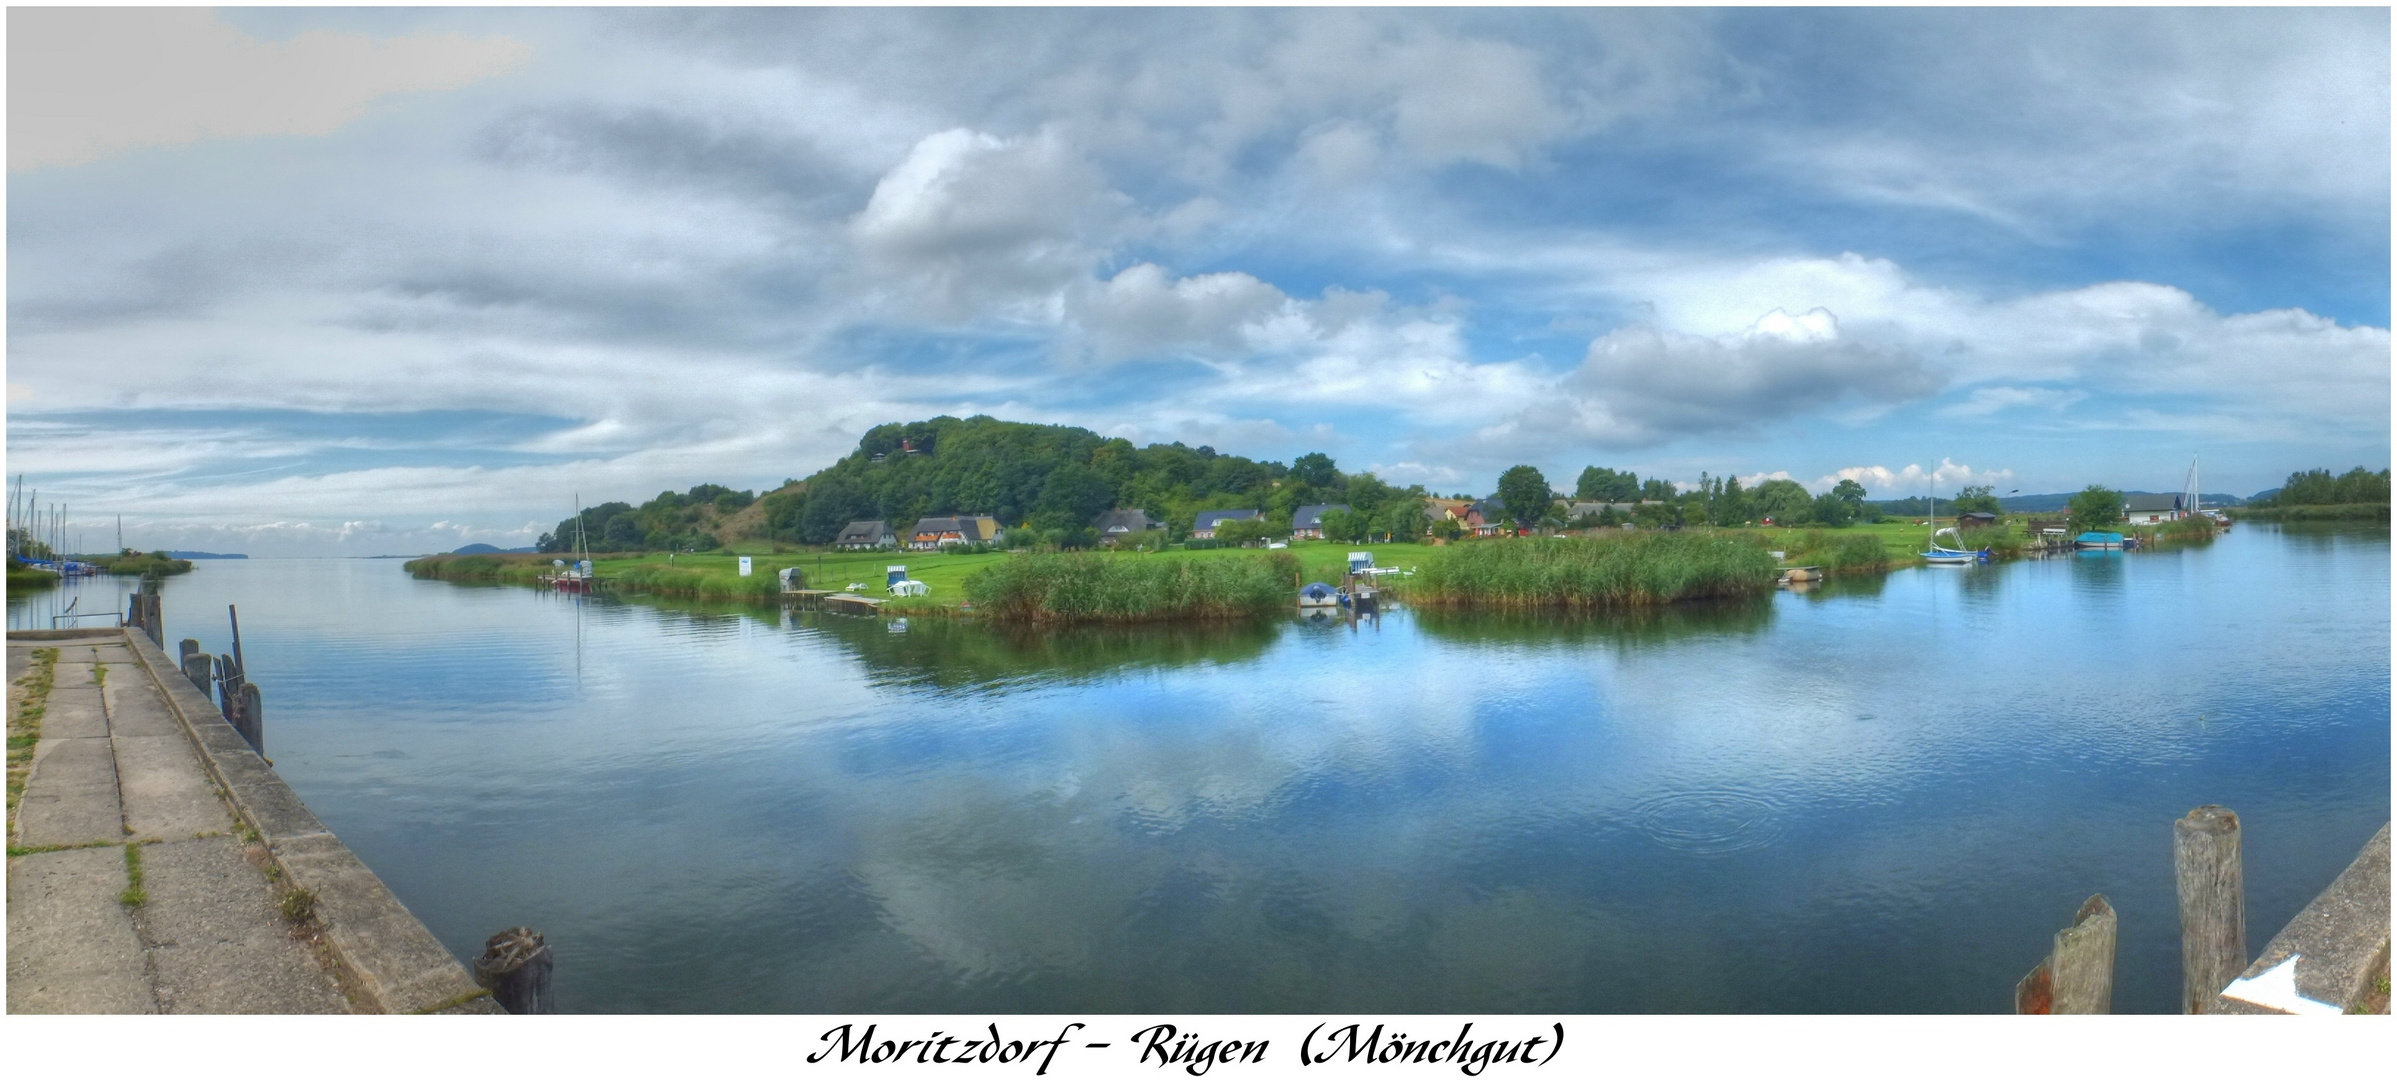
2205, 866
515, 968
2077, 978
184, 649
199, 667
253, 718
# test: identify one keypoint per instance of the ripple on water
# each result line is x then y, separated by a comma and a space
1710, 822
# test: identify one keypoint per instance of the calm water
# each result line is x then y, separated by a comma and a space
1881, 797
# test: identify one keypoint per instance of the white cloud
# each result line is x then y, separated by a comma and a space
1642, 386
1142, 311
1882, 482
971, 221
86, 82
1987, 400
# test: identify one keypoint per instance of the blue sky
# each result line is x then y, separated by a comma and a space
359, 282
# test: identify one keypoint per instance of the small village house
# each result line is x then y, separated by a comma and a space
934, 533
1115, 526
1978, 519
1486, 518
1203, 528
2150, 509
1437, 509
1306, 522
866, 536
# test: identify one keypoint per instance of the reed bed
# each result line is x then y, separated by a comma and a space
2190, 530
1841, 552
2337, 512
1107, 587
1634, 570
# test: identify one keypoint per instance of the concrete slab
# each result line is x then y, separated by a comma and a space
135, 707
74, 714
2327, 956
164, 793
394, 960
217, 940
20, 661
72, 674
71, 946
70, 795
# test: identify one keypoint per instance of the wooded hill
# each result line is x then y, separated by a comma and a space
1051, 478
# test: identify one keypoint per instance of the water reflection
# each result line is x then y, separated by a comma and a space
954, 654
1632, 629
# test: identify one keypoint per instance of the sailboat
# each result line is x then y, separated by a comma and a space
1938, 554
577, 578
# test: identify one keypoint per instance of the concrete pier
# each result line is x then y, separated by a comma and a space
157, 865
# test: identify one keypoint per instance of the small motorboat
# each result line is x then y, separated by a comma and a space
1316, 594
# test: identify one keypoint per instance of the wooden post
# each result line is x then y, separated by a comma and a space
515, 968
2083, 961
200, 668
253, 718
2205, 866
2077, 976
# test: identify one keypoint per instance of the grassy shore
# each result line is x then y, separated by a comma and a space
2342, 512
716, 575
1632, 570
26, 577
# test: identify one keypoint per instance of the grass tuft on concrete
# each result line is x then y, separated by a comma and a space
134, 895
25, 725
298, 907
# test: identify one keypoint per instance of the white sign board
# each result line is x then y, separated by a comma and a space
744, 566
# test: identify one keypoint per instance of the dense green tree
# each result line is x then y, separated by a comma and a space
2317, 487
1315, 470
1977, 499
1403, 518
1829, 509
1849, 492
1606, 485
1525, 495
1657, 488
1785, 501
2095, 507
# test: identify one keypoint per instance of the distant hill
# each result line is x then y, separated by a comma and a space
201, 555
486, 549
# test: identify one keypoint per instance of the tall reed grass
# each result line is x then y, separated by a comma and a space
1074, 587
1840, 552
1632, 570
2338, 512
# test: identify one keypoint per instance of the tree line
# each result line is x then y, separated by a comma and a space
2317, 487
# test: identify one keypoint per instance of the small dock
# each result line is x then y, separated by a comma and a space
838, 603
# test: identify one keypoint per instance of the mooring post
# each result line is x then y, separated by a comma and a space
253, 718
515, 968
2205, 867
2077, 976
199, 667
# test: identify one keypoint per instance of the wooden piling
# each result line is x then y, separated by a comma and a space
199, 667
2076, 978
253, 718
515, 967
2205, 867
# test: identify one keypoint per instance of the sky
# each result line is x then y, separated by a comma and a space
354, 282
